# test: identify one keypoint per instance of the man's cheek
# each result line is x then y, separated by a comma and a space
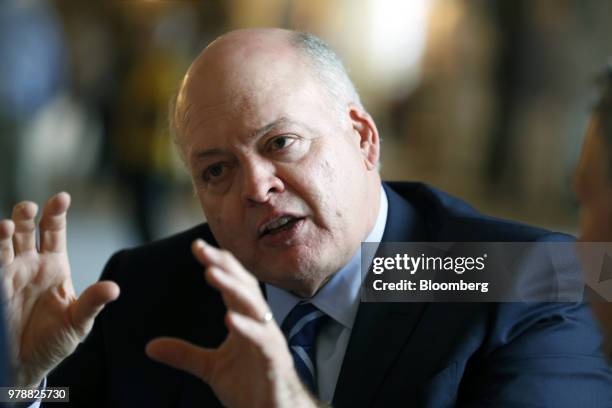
220, 228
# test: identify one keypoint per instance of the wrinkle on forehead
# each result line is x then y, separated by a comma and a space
240, 100
195, 120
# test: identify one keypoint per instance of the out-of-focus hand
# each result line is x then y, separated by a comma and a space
46, 320
253, 366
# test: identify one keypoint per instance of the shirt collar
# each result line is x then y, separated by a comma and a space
339, 298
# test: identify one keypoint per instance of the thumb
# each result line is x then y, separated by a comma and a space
182, 355
90, 303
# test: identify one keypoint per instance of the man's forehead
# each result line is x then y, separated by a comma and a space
239, 89
247, 105
240, 79
245, 110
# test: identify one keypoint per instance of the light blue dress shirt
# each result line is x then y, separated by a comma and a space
339, 299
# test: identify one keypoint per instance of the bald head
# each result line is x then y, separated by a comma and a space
241, 45
238, 64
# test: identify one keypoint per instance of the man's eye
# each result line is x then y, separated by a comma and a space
281, 142
213, 172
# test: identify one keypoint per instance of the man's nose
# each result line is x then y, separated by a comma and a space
260, 182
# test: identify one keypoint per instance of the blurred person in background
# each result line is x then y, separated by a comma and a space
32, 74
141, 150
593, 186
284, 160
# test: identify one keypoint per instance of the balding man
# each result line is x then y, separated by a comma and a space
283, 159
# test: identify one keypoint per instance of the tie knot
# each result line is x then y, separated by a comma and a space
302, 324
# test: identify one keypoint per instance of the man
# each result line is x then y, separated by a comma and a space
284, 160
593, 185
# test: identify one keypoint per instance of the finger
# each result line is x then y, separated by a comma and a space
265, 337
90, 303
254, 331
236, 295
24, 239
208, 255
53, 223
7, 253
182, 355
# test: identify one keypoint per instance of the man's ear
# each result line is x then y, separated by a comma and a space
365, 129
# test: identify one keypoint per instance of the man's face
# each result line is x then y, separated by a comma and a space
281, 178
593, 185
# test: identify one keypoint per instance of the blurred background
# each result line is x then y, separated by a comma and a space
486, 99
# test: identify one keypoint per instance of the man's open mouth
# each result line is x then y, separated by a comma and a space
279, 224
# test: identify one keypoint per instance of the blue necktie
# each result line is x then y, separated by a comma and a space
301, 327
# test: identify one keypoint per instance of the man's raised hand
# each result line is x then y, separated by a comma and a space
46, 320
253, 366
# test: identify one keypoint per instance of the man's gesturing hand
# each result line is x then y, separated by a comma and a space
46, 320
253, 367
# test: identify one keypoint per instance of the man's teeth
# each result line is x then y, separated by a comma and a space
278, 223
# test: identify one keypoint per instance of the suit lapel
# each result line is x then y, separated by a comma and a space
381, 330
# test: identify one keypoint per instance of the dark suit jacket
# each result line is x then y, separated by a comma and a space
399, 354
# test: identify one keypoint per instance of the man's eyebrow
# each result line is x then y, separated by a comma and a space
207, 153
265, 129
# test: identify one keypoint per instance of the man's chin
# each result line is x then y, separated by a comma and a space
295, 278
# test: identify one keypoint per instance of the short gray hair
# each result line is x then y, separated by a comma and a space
327, 68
